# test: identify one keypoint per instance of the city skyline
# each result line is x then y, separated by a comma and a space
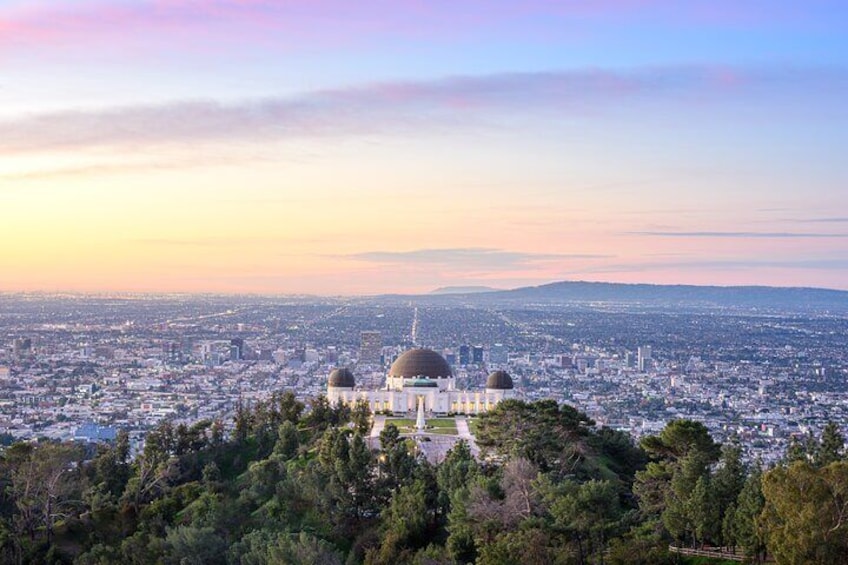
266, 147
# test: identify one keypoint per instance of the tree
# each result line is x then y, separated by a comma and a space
361, 416
830, 447
454, 473
395, 462
703, 511
320, 416
683, 453
806, 513
287, 407
110, 467
405, 525
652, 486
726, 484
681, 512
288, 441
520, 497
796, 451
587, 514
679, 438
45, 486
530, 545
190, 545
263, 547
622, 456
550, 436
345, 480
495, 506
153, 472
747, 526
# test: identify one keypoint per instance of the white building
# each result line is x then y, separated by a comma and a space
424, 374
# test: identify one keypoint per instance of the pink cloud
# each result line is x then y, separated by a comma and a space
373, 109
156, 24
391, 108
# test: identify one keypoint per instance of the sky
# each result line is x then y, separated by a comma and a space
343, 148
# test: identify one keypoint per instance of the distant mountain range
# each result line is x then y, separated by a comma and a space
652, 295
464, 290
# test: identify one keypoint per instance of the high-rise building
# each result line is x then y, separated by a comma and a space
464, 355
644, 358
370, 346
477, 354
332, 354
171, 352
236, 349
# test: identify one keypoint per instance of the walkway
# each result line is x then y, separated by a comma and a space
464, 432
377, 427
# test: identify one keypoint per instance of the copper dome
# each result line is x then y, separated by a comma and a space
499, 380
341, 378
421, 363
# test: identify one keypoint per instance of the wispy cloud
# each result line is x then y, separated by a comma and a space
738, 234
322, 22
108, 169
821, 221
149, 164
697, 265
400, 107
175, 242
216, 241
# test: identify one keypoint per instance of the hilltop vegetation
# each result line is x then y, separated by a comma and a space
297, 485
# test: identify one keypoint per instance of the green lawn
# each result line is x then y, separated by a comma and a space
473, 426
446, 426
706, 561
401, 422
443, 431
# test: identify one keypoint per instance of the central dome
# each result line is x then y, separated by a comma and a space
421, 363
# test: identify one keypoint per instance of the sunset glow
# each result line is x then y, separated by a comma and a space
334, 147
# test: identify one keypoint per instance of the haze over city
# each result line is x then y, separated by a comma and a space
359, 148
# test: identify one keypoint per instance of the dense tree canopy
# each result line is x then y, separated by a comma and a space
297, 484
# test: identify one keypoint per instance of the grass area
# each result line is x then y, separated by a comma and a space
705, 561
443, 431
473, 426
445, 426
401, 422
432, 422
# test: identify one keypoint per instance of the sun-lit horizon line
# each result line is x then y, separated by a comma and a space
399, 293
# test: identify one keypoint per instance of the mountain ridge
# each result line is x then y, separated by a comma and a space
710, 296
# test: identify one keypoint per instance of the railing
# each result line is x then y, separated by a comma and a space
715, 553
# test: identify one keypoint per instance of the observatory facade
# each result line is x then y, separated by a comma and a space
421, 374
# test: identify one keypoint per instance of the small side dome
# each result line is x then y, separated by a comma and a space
499, 380
341, 378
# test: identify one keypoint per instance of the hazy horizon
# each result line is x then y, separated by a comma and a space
433, 293
337, 149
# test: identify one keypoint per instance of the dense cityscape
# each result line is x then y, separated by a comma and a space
85, 366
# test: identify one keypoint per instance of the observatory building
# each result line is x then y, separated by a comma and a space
421, 374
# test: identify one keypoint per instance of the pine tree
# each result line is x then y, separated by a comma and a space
747, 526
831, 447
727, 483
